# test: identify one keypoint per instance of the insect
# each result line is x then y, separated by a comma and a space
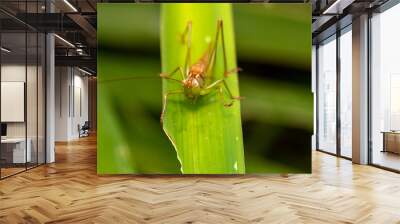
197, 78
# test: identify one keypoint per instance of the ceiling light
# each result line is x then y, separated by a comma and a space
84, 71
327, 11
70, 5
65, 41
5, 50
79, 51
337, 7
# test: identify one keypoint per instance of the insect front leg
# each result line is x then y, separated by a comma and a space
165, 101
169, 76
232, 71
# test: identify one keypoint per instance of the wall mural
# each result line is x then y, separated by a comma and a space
204, 88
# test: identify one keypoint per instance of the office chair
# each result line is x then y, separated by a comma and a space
84, 130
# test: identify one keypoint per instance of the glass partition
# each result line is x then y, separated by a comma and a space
15, 151
22, 91
385, 89
327, 95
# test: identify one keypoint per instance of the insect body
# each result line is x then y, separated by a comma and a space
197, 79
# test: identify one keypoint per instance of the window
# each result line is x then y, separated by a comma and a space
346, 92
327, 95
385, 89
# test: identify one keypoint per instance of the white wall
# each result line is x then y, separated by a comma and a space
314, 91
33, 126
80, 109
62, 81
12, 73
71, 102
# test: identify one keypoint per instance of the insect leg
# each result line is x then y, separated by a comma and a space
230, 94
188, 33
221, 28
220, 34
232, 71
213, 50
229, 91
165, 98
226, 72
169, 76
210, 87
221, 94
216, 85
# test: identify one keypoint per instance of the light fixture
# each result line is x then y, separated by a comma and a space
80, 51
65, 41
70, 5
5, 50
84, 71
337, 7
329, 9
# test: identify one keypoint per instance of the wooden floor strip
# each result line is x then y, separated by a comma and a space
70, 191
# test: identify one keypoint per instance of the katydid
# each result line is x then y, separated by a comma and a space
197, 79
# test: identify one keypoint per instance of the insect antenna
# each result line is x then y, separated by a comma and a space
128, 78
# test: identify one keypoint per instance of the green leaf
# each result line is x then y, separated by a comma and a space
206, 135
130, 138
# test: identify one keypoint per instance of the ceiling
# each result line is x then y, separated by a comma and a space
76, 20
331, 15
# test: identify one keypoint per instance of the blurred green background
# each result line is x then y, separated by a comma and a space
273, 49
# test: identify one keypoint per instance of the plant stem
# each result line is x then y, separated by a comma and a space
206, 135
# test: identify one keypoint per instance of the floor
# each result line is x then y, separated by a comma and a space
69, 191
10, 171
5, 172
387, 159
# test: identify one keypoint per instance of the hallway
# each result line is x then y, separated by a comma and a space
69, 191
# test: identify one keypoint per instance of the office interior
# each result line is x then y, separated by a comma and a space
48, 128
356, 84
45, 87
48, 80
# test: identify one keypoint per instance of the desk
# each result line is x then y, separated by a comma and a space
391, 141
15, 148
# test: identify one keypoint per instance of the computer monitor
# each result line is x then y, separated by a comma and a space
3, 129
